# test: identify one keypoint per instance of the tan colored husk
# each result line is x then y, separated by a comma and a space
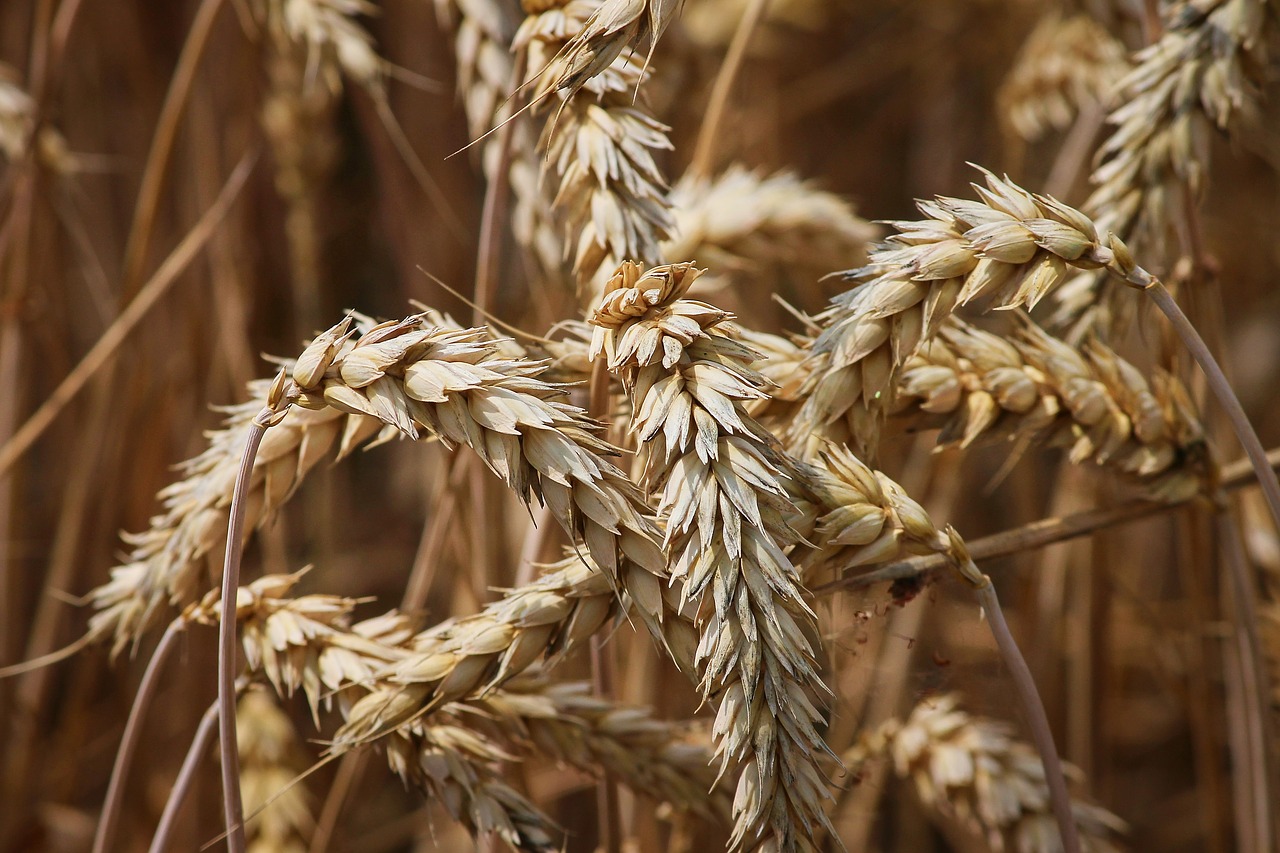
978, 385
1066, 64
608, 192
269, 766
1010, 247
334, 42
726, 532
611, 27
972, 771
666, 761
1206, 72
456, 386
17, 115
775, 232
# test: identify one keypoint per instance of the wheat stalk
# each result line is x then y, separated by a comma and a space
1037, 388
724, 505
972, 771
1010, 246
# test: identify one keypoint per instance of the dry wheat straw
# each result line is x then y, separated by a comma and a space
775, 232
1066, 64
975, 384
1010, 247
1207, 71
268, 766
973, 771
608, 191
726, 533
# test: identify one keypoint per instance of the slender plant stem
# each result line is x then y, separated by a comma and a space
704, 150
182, 785
1037, 719
105, 834
233, 808
1222, 390
1039, 534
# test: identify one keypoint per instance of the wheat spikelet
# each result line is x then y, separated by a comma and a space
268, 748
773, 230
670, 762
1039, 388
973, 771
17, 115
1010, 246
1065, 64
334, 41
608, 191
611, 27
724, 505
1206, 72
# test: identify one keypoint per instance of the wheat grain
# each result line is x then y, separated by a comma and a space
1065, 65
1011, 247
775, 232
1038, 388
973, 771
725, 534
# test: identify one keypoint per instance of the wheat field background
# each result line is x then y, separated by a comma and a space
654, 398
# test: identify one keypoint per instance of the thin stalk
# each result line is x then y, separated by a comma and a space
105, 834
186, 776
1037, 719
1226, 396
704, 150
1038, 534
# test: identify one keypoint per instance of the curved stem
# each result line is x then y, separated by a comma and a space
182, 785
129, 742
233, 808
1037, 719
704, 150
1227, 397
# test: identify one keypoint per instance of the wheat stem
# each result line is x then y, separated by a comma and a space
105, 833
1037, 719
186, 776
1037, 534
705, 148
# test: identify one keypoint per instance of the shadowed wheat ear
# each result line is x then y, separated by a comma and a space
776, 231
724, 505
1206, 72
973, 771
607, 189
268, 766
334, 40
978, 385
1066, 64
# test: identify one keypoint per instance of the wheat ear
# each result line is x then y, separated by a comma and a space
268, 765
725, 539
971, 770
1037, 388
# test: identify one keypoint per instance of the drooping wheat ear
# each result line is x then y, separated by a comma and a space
269, 765
1065, 65
972, 771
17, 115
609, 193
610, 28
1010, 246
462, 769
171, 562
724, 505
1206, 72
333, 39
670, 762
773, 230
457, 386
1037, 388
